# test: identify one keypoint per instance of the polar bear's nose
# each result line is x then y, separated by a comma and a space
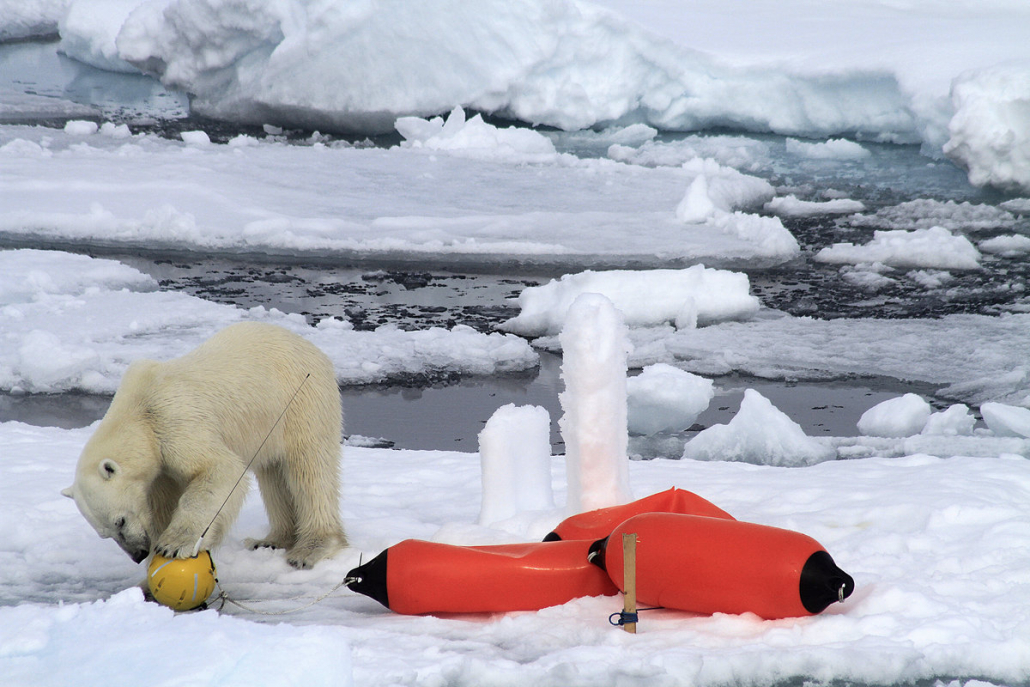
136, 551
137, 547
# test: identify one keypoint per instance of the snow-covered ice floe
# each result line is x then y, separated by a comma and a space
74, 323
951, 75
938, 548
686, 298
98, 186
972, 358
935, 248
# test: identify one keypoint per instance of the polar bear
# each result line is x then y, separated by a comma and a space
180, 434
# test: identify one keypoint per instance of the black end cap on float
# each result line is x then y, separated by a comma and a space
595, 554
552, 536
370, 579
823, 583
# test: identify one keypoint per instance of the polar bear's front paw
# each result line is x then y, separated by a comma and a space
305, 554
303, 560
269, 542
176, 544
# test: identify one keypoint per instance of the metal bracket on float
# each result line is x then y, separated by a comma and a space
624, 618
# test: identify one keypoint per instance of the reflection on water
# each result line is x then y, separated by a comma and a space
39, 69
449, 417
67, 411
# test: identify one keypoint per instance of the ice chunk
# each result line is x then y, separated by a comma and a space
663, 398
696, 205
724, 188
935, 247
990, 130
832, 149
475, 138
89, 29
573, 65
956, 420
30, 18
903, 416
79, 127
515, 453
925, 213
115, 130
646, 298
1007, 245
595, 348
1005, 420
195, 138
791, 206
758, 433
737, 152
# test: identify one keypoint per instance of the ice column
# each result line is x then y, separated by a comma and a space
515, 451
595, 346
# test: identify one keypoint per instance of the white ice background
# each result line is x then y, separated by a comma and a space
933, 524
954, 75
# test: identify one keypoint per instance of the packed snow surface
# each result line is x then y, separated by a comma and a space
938, 548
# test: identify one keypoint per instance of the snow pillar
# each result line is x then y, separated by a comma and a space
515, 452
595, 345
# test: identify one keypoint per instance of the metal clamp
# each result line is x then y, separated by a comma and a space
623, 618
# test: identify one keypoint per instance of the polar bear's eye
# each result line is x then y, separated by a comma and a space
120, 523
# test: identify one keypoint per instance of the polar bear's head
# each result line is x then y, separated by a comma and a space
112, 481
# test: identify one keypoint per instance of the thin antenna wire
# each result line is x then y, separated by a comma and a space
196, 547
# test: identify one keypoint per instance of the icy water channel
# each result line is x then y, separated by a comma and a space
448, 413
440, 413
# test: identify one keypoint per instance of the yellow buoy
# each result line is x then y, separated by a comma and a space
182, 584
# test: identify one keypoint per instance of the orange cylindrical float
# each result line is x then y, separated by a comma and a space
416, 576
599, 523
713, 565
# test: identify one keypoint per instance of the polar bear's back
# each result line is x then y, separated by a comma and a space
254, 353
240, 381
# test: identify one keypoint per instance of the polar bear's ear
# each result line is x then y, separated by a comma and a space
108, 468
67, 491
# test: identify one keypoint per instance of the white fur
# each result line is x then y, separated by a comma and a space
180, 433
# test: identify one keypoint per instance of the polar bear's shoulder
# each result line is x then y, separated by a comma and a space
137, 383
